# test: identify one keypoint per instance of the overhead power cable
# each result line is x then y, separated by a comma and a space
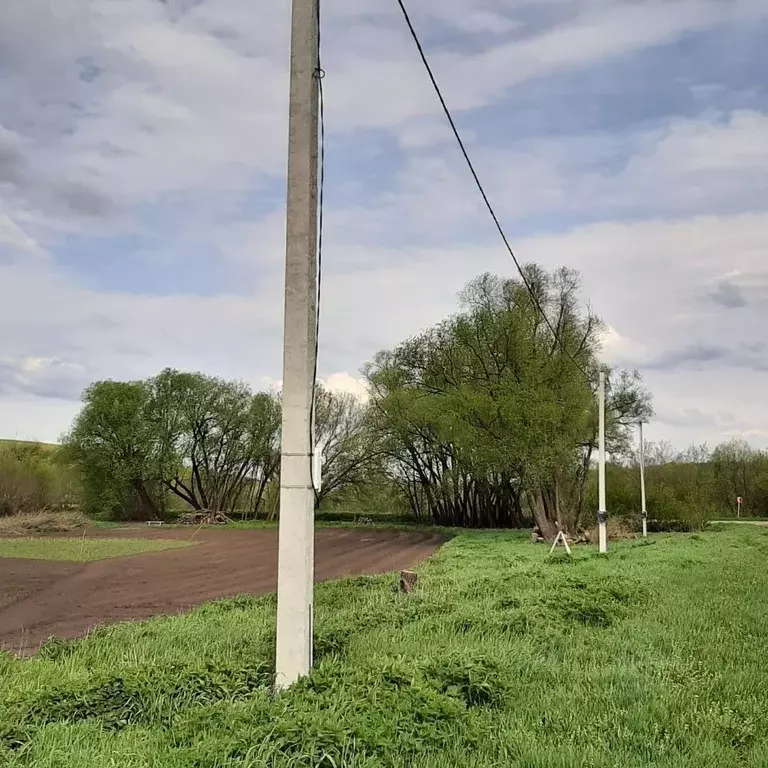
319, 75
480, 187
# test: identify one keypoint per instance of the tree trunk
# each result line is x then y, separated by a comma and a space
146, 508
547, 527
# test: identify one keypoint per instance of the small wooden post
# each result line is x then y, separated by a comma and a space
408, 581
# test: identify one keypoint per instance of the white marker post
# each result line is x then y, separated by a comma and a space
642, 483
602, 515
739, 501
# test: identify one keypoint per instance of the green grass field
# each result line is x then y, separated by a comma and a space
652, 656
82, 550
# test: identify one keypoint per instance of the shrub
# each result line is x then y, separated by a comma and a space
671, 526
35, 523
34, 477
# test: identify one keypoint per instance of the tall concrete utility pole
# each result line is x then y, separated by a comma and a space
642, 483
296, 564
602, 515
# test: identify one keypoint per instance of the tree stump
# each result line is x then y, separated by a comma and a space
536, 537
408, 581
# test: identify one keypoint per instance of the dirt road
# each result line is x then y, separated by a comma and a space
42, 598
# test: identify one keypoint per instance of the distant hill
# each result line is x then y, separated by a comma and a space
44, 446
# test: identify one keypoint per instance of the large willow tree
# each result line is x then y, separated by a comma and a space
204, 443
212, 444
487, 419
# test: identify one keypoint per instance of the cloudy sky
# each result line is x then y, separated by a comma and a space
142, 148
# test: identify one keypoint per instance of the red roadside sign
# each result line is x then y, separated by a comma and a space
739, 500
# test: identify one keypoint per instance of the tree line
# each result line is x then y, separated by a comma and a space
486, 419
144, 449
691, 486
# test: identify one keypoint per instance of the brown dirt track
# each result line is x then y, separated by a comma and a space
42, 598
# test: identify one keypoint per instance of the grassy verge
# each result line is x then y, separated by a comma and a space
82, 550
653, 656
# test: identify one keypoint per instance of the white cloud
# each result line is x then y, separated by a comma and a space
596, 33
116, 108
92, 335
26, 417
684, 166
12, 235
720, 158
712, 406
144, 99
342, 382
346, 383
618, 349
649, 280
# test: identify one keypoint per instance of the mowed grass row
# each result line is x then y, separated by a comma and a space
653, 656
83, 550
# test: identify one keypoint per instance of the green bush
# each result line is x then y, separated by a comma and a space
681, 496
670, 526
34, 477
